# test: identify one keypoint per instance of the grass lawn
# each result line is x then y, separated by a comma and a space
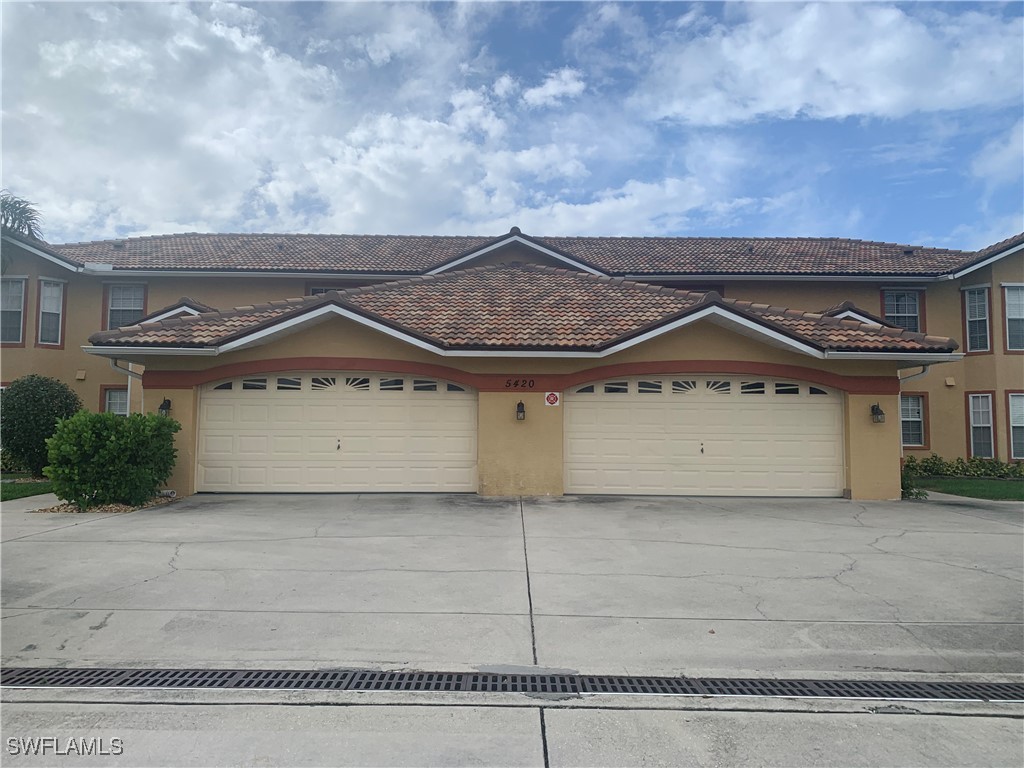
975, 487
10, 491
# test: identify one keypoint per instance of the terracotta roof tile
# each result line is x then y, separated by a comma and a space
395, 254
526, 307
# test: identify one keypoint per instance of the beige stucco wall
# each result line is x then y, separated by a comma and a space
519, 457
527, 457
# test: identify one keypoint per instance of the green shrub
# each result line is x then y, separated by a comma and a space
103, 458
8, 463
973, 467
908, 480
31, 407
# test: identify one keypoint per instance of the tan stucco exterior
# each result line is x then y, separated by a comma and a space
526, 457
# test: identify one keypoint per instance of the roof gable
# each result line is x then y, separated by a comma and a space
522, 310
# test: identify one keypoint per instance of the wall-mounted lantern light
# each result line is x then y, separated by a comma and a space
165, 407
877, 414
520, 411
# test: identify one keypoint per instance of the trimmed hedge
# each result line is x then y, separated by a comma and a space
32, 405
972, 467
103, 458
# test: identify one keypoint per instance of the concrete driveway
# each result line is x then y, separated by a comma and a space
708, 587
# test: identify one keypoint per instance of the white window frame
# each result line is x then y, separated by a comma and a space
21, 309
980, 318
1015, 405
110, 302
893, 319
1006, 312
106, 400
920, 418
979, 424
60, 314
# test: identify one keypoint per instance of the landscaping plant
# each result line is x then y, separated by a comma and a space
104, 458
29, 411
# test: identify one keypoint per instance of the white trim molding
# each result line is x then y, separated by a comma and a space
717, 314
171, 313
515, 239
849, 314
43, 254
990, 260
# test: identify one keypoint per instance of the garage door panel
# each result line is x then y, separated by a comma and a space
753, 444
288, 440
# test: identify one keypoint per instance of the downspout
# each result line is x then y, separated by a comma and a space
922, 372
131, 375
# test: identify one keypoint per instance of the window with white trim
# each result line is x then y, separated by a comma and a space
126, 304
1016, 426
976, 310
903, 308
981, 426
12, 311
116, 401
1014, 307
912, 419
51, 310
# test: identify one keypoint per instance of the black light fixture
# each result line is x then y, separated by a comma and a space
165, 407
877, 414
520, 411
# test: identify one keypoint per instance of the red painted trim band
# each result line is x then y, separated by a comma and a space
495, 382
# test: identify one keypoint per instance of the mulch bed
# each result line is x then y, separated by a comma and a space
107, 509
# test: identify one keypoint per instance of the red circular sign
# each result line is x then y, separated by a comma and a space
552, 398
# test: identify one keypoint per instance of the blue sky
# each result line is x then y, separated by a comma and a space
895, 122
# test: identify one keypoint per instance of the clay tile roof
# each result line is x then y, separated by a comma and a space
524, 307
276, 253
401, 254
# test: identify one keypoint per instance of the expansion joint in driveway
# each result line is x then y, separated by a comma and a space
471, 682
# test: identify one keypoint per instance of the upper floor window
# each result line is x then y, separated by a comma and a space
982, 440
903, 308
126, 304
12, 311
1014, 303
51, 311
912, 419
976, 319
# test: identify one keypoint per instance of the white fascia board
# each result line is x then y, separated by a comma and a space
516, 239
817, 278
125, 352
975, 287
107, 270
991, 259
171, 313
910, 357
851, 315
44, 255
713, 311
328, 309
732, 317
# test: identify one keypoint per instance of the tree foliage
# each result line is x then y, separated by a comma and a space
20, 215
29, 411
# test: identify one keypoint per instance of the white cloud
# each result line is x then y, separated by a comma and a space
831, 61
371, 117
563, 84
1001, 161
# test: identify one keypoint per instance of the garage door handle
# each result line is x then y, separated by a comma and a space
339, 445
702, 449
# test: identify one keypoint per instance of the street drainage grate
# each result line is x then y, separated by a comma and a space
367, 680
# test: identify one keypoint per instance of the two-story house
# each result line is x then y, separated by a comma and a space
534, 365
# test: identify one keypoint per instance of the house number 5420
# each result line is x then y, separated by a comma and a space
518, 383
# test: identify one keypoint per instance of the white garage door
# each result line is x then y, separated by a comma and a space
316, 432
704, 435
